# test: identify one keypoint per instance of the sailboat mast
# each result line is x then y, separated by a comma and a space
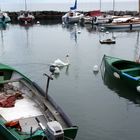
100, 5
113, 6
25, 6
139, 7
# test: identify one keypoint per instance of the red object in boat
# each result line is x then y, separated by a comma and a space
7, 101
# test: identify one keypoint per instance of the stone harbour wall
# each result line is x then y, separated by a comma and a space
56, 15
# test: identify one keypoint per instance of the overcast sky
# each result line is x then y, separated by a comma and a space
58, 1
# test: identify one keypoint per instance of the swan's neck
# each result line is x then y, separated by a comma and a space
67, 60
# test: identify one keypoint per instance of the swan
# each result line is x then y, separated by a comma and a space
60, 63
54, 69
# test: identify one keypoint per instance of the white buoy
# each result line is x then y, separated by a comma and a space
116, 75
79, 32
138, 88
107, 32
26, 22
96, 68
38, 22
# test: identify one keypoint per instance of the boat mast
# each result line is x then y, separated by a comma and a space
25, 5
139, 7
100, 5
113, 6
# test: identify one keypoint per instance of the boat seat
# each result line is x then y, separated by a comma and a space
130, 69
132, 77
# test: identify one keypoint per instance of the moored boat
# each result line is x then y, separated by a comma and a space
108, 41
72, 16
125, 23
119, 88
27, 113
26, 17
96, 17
4, 18
124, 70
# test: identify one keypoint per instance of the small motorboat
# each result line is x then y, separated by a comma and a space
108, 41
124, 70
27, 112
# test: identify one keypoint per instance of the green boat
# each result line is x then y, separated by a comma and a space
124, 70
26, 113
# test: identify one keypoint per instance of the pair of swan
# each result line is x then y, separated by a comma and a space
57, 64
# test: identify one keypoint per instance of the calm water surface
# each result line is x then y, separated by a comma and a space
102, 109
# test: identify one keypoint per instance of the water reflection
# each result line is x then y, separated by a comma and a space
73, 29
137, 49
2, 39
121, 90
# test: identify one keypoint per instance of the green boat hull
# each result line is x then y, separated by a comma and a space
11, 133
124, 70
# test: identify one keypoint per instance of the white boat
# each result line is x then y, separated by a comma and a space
4, 18
72, 16
96, 17
126, 22
26, 16
29, 113
102, 19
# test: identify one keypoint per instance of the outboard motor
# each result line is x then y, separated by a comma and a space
55, 131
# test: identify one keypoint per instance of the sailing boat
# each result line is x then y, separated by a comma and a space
96, 17
72, 16
25, 16
4, 18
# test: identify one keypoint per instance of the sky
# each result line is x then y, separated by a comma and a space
57, 1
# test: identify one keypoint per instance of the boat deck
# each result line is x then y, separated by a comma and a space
32, 105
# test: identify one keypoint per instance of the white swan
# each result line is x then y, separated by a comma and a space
54, 69
60, 63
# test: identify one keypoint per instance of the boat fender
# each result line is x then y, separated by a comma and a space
116, 75
138, 88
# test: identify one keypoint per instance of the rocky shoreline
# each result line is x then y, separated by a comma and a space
56, 15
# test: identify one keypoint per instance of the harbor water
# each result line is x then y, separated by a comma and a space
100, 108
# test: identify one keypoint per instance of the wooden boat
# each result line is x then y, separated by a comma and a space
108, 41
118, 87
26, 113
124, 70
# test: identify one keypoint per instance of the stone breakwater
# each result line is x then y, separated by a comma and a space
55, 15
